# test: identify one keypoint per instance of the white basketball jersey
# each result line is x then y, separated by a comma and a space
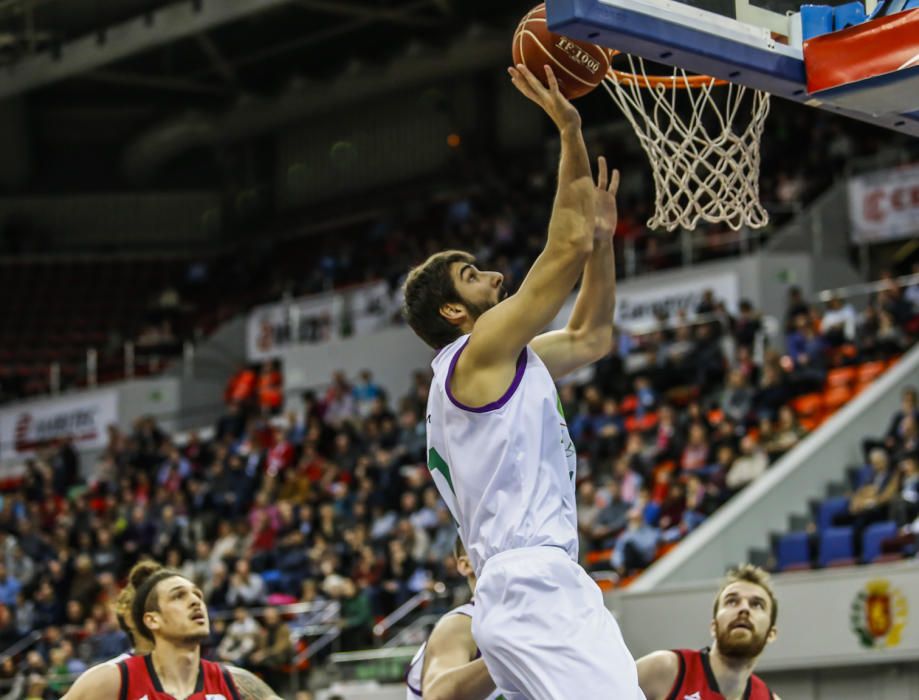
505, 470
413, 675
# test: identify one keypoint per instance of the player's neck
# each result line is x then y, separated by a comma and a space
732, 674
177, 666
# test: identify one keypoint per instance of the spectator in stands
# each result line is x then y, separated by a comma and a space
695, 454
897, 425
737, 399
905, 506
274, 648
10, 587
838, 323
356, 616
611, 518
240, 638
772, 393
748, 466
787, 432
246, 588
636, 546
871, 500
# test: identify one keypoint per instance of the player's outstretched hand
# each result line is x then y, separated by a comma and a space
556, 105
607, 186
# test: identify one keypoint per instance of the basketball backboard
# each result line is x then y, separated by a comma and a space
757, 43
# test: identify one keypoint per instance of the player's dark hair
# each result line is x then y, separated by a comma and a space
750, 574
428, 287
144, 580
458, 549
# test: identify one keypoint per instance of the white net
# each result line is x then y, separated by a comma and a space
702, 137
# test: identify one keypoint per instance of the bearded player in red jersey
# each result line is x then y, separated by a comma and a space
169, 610
743, 624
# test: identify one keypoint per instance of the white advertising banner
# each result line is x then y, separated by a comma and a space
28, 427
638, 304
273, 327
316, 319
884, 205
637, 308
834, 617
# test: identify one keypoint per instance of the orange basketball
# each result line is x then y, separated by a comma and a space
578, 65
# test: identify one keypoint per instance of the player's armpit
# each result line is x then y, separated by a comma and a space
102, 682
564, 351
250, 686
657, 673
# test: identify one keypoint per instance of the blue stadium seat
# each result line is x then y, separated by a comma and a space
872, 538
793, 552
829, 509
836, 547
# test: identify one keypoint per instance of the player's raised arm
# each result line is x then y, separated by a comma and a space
449, 673
502, 331
588, 335
100, 683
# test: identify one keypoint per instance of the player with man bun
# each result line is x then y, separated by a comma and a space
169, 611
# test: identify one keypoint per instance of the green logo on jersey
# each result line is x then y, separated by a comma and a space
436, 462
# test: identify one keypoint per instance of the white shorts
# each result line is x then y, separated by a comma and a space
544, 631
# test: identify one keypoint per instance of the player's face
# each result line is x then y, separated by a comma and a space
182, 615
479, 290
742, 627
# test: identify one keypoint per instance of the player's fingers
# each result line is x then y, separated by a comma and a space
521, 84
553, 81
602, 174
614, 182
536, 86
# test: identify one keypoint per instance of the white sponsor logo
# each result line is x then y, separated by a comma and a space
695, 696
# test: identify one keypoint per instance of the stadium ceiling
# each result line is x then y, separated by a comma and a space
45, 41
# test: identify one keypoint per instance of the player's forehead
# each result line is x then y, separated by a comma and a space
176, 584
744, 589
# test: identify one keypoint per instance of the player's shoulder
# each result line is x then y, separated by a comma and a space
456, 623
98, 683
658, 671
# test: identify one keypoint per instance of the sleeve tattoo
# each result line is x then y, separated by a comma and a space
250, 686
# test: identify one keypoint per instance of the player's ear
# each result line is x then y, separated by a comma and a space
773, 633
712, 629
152, 620
464, 566
454, 313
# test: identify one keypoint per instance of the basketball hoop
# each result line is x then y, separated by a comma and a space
704, 168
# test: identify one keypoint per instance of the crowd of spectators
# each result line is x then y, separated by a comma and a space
332, 503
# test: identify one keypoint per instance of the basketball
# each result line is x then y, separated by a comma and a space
578, 65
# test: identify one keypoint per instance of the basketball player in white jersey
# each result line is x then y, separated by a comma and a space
498, 445
448, 666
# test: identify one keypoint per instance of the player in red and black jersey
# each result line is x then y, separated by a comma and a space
743, 623
169, 610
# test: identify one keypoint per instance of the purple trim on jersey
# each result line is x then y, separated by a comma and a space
408, 670
494, 405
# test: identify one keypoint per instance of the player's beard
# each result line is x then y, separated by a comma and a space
476, 310
748, 648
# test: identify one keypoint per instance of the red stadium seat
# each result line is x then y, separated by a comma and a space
841, 376
809, 409
870, 371
836, 397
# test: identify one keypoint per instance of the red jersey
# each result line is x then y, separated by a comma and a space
696, 681
140, 682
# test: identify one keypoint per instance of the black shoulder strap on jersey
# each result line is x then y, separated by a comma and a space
123, 670
231, 684
678, 683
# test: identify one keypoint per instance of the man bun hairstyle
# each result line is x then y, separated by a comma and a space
427, 288
750, 574
125, 601
144, 579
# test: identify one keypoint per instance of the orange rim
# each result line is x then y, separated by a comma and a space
678, 82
